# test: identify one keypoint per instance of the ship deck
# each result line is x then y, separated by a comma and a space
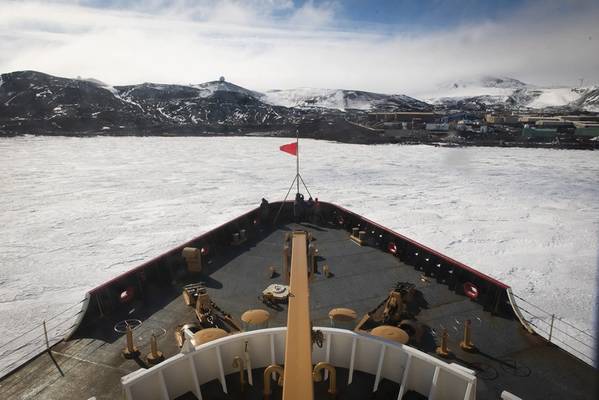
509, 358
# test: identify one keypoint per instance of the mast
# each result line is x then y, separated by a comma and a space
297, 174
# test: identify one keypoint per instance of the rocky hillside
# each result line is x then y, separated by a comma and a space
32, 102
589, 100
36, 103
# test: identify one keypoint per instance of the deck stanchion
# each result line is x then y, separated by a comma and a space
443, 350
130, 351
467, 344
155, 356
551, 326
46, 336
240, 364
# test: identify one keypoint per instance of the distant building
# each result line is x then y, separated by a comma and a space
403, 116
539, 134
443, 127
532, 119
501, 119
586, 130
560, 126
581, 118
456, 116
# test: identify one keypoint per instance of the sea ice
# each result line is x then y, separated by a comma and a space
79, 211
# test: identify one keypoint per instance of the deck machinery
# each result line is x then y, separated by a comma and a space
354, 311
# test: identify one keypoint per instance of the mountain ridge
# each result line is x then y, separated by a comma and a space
39, 103
511, 93
35, 102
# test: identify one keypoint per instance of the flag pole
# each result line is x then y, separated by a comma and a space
297, 174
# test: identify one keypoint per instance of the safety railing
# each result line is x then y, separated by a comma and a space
557, 330
40, 337
408, 367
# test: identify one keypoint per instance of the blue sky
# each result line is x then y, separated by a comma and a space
407, 15
387, 46
399, 15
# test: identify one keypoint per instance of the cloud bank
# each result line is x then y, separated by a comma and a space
267, 44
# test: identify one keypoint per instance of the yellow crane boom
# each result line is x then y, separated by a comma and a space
297, 379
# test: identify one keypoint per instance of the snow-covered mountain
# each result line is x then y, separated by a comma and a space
38, 103
491, 92
486, 90
34, 102
589, 100
343, 100
208, 89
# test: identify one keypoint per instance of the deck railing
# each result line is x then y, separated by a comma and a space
410, 368
31, 343
557, 330
40, 337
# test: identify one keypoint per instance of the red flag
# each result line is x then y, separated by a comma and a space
290, 148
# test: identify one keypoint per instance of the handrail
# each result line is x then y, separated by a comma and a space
40, 325
354, 351
580, 344
22, 341
57, 330
560, 318
516, 309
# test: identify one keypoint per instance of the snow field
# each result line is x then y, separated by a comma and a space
79, 211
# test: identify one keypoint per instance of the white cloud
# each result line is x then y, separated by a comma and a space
270, 44
313, 16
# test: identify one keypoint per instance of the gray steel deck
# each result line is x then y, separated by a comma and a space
90, 364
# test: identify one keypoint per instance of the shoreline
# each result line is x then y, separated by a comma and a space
333, 138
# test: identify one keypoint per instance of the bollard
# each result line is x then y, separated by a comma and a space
467, 344
240, 364
443, 350
317, 376
271, 369
155, 356
130, 351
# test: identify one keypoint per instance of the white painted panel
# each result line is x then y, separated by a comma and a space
259, 348
450, 386
367, 355
178, 378
421, 376
280, 338
379, 368
341, 350
394, 364
319, 353
206, 365
196, 384
147, 388
228, 351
